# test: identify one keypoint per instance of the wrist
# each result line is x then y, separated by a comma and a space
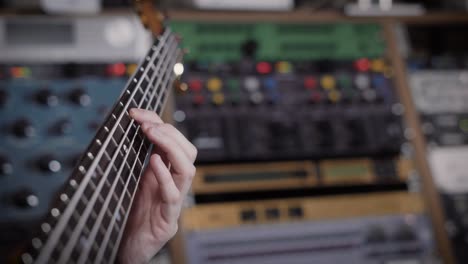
138, 251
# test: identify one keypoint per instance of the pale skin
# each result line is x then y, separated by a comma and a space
163, 186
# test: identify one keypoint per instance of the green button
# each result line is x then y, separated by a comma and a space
464, 125
344, 81
233, 84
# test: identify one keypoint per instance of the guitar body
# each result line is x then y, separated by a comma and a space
88, 218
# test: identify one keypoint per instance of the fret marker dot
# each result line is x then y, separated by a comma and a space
37, 243
125, 148
45, 227
26, 258
83, 242
72, 183
142, 69
178, 69
64, 197
113, 116
135, 80
98, 142
55, 212
127, 91
121, 104
82, 169
106, 129
90, 155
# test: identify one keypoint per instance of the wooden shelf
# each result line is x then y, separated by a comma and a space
311, 16
302, 15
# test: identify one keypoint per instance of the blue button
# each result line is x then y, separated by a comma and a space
378, 81
269, 83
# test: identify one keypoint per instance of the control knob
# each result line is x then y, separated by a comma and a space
23, 128
80, 97
62, 127
5, 166
49, 164
25, 199
46, 97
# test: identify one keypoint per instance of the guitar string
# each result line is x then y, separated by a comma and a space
98, 221
70, 245
168, 82
58, 229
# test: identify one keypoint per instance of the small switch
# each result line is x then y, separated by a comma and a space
248, 215
272, 213
295, 212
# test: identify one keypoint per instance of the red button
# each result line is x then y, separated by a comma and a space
16, 72
198, 99
362, 65
263, 67
117, 69
195, 85
315, 97
310, 82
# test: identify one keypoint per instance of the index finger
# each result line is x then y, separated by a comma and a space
143, 115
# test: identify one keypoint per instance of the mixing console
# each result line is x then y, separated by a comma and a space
327, 93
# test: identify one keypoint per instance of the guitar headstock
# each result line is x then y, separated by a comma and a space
151, 18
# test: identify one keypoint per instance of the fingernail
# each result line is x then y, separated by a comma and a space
133, 112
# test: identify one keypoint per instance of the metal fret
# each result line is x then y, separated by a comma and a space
98, 174
70, 247
133, 192
120, 189
60, 226
138, 164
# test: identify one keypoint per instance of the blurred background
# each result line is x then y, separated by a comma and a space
328, 131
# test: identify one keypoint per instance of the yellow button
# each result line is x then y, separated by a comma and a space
328, 82
334, 96
131, 68
283, 67
218, 98
214, 84
388, 71
26, 72
378, 65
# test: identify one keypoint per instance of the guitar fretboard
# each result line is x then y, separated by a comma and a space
88, 221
